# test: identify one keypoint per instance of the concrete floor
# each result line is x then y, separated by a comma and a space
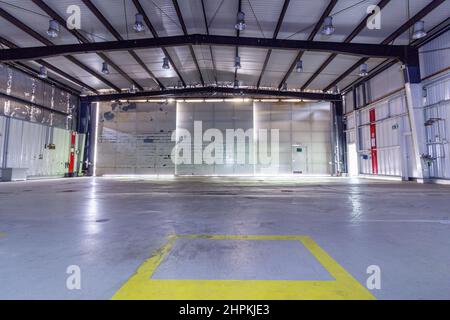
109, 227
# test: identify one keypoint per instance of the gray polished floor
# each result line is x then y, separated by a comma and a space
109, 227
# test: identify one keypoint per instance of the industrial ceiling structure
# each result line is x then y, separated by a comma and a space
264, 46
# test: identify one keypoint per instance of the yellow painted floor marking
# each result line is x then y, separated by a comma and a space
141, 286
2, 234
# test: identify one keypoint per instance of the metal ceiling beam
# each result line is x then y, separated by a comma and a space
210, 48
54, 15
149, 24
350, 37
191, 49
117, 35
214, 91
356, 49
403, 28
275, 35
54, 69
49, 44
311, 36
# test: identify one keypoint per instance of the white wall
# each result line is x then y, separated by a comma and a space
27, 148
122, 148
137, 140
222, 116
387, 96
306, 125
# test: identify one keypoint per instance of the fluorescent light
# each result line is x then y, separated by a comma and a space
270, 100
213, 100
292, 100
157, 100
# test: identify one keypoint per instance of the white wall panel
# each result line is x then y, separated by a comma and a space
222, 116
385, 83
300, 125
437, 117
27, 149
391, 123
135, 138
435, 55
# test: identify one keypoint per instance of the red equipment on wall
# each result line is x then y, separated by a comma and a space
373, 141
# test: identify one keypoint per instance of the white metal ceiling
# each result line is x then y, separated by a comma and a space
261, 19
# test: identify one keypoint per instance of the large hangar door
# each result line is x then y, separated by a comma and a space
222, 116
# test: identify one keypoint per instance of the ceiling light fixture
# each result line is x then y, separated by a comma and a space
237, 62
419, 30
105, 69
53, 29
139, 23
43, 72
328, 28
240, 25
166, 65
299, 66
363, 70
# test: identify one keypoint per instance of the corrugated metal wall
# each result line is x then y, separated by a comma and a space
303, 125
437, 119
222, 116
395, 151
138, 140
435, 55
135, 138
391, 125
28, 148
30, 128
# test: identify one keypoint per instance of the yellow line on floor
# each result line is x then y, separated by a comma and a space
141, 286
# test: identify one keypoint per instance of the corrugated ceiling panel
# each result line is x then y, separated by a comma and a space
300, 18
278, 65
163, 16
193, 15
261, 17
311, 62
222, 17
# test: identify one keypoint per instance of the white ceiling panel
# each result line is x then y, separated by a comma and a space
261, 20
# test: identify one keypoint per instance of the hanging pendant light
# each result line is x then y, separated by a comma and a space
240, 25
419, 30
43, 72
139, 24
105, 69
328, 28
363, 70
165, 64
237, 62
299, 66
53, 29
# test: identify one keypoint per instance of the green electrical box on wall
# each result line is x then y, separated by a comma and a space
299, 149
